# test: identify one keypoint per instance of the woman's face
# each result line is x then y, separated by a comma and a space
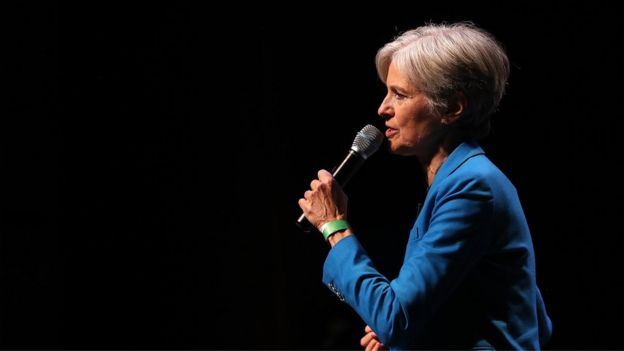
412, 128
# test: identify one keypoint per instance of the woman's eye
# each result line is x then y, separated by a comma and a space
399, 96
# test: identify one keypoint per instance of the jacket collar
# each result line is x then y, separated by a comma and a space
460, 155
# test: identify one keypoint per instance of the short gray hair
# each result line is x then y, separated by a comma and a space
443, 59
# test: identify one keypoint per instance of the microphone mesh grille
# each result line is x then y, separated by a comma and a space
367, 141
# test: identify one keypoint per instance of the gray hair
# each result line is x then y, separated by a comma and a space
444, 59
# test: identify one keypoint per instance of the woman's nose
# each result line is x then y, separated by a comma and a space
385, 110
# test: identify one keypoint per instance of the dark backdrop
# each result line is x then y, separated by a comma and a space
153, 157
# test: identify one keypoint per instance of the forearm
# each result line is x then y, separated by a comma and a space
349, 273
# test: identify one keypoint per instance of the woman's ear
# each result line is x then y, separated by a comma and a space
456, 108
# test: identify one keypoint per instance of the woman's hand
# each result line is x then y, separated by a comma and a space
370, 342
325, 201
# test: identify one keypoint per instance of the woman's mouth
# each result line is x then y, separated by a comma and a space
390, 132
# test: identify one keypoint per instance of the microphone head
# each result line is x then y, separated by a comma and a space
367, 141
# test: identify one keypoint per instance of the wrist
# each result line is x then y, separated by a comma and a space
331, 227
336, 237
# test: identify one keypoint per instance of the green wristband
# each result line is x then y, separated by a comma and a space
332, 227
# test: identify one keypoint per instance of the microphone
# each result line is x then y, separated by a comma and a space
367, 141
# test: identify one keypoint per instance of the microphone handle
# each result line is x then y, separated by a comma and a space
304, 224
347, 168
342, 174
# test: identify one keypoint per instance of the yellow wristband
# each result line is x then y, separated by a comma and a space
332, 227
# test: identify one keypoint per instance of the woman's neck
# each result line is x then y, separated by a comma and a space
434, 165
437, 158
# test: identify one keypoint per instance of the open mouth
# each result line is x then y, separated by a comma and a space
390, 132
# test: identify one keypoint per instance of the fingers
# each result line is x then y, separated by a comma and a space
325, 176
314, 184
322, 202
373, 345
370, 342
366, 339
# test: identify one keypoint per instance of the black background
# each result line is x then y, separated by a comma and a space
153, 157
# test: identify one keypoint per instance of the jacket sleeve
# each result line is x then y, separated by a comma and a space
543, 321
456, 238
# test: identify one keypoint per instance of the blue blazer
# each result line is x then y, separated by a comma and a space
468, 276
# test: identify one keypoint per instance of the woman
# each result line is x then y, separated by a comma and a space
468, 276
